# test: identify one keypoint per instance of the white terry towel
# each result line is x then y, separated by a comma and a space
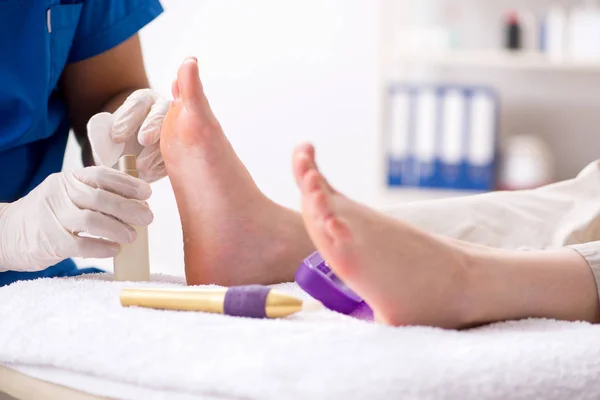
78, 325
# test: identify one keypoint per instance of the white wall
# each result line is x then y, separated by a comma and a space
277, 73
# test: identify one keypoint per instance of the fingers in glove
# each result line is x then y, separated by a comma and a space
96, 248
155, 174
130, 116
129, 211
114, 181
150, 131
99, 225
149, 158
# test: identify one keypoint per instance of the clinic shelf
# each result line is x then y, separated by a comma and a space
495, 59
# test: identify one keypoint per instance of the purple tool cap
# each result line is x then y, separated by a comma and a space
318, 280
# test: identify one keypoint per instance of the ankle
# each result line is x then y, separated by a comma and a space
473, 309
292, 243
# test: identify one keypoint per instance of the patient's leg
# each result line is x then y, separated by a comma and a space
410, 277
552, 216
233, 234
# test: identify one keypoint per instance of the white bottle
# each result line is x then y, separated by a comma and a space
584, 30
575, 33
594, 33
482, 142
452, 150
556, 32
132, 263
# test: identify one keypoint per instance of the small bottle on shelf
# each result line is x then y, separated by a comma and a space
513, 31
555, 32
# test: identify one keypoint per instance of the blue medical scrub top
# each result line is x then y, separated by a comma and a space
37, 39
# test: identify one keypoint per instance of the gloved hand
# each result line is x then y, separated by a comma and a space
133, 129
45, 227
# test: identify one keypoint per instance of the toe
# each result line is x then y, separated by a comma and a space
175, 90
306, 149
312, 182
321, 206
317, 208
313, 164
312, 179
327, 186
188, 79
304, 161
301, 164
337, 230
317, 215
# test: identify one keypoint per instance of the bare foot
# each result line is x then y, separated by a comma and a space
407, 276
233, 234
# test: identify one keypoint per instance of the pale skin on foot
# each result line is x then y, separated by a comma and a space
235, 235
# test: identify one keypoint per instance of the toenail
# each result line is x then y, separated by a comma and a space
303, 158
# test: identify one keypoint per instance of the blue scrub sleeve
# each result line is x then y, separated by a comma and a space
104, 24
65, 268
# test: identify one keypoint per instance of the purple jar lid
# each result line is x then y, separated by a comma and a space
318, 280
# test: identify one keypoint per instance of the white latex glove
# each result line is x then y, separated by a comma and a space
44, 227
133, 129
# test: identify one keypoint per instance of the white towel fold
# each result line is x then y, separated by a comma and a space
78, 325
